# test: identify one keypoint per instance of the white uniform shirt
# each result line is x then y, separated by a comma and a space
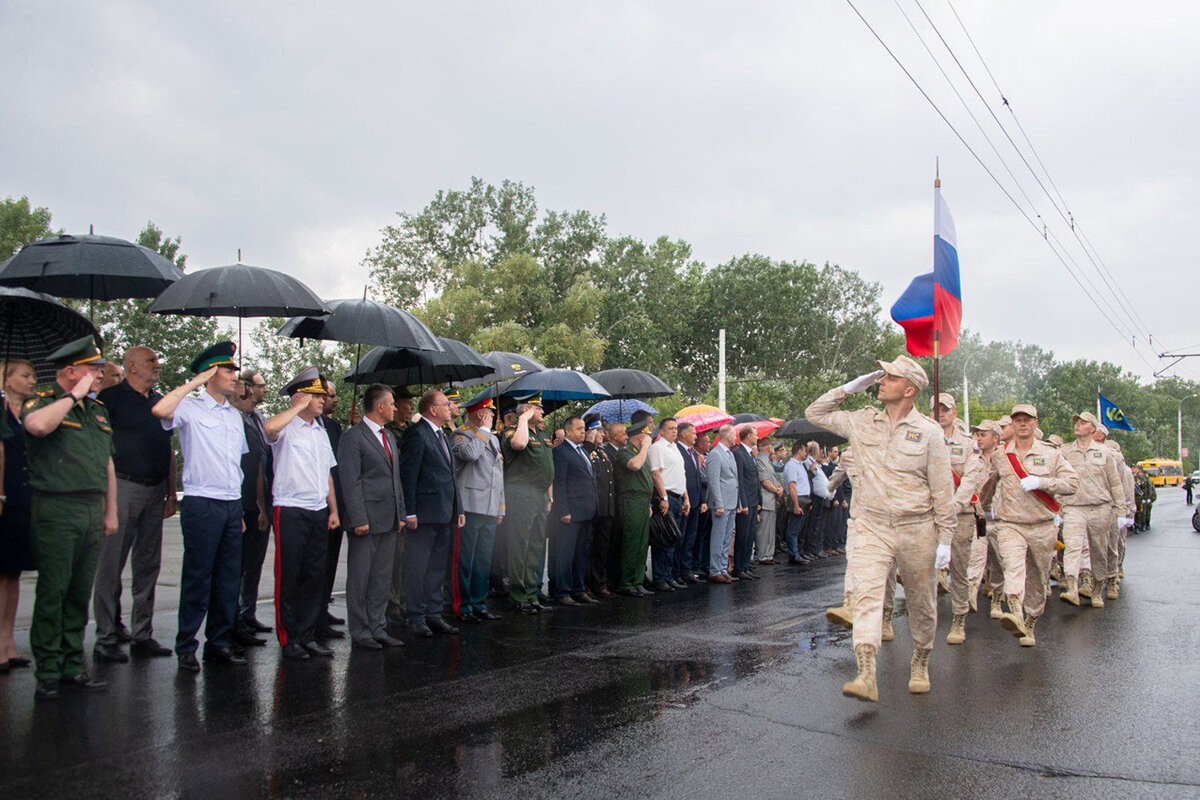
665, 456
212, 437
794, 472
303, 459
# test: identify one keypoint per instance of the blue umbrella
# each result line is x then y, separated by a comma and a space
556, 384
619, 410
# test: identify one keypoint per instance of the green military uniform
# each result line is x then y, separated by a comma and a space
68, 472
1146, 495
635, 489
528, 474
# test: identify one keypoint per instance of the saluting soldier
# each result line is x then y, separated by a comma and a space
528, 476
74, 501
479, 469
635, 488
598, 578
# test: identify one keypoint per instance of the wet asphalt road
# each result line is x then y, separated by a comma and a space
714, 691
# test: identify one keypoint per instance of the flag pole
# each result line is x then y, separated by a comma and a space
1098, 405
937, 387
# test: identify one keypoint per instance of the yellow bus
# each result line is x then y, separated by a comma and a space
1163, 471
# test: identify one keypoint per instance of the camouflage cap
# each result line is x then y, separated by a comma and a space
904, 367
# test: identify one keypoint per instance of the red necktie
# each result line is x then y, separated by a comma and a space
387, 449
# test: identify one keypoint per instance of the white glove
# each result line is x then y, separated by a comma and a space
1124, 522
863, 382
1031, 482
943, 557
1057, 521
990, 516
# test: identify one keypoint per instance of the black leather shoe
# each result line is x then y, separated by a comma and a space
542, 607
294, 652
742, 576
111, 653
123, 636
644, 592
439, 625
256, 626
187, 661
46, 690
223, 655
318, 649
385, 640
585, 599
148, 647
663, 587
420, 630
330, 619
84, 683
485, 614
330, 633
366, 644
678, 584
247, 639
470, 618
566, 601
692, 579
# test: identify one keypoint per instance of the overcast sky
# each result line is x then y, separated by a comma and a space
296, 130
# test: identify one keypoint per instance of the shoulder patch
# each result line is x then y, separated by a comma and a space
31, 402
913, 436
1039, 461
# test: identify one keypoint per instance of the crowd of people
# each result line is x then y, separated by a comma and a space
456, 513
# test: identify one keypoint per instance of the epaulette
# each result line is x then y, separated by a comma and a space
97, 401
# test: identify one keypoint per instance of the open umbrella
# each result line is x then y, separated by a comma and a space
763, 427
363, 321
455, 362
506, 367
619, 410
803, 429
703, 417
556, 384
632, 383
740, 418
89, 267
34, 325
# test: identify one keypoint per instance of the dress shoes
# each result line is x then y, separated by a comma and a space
585, 599
663, 587
542, 607
84, 683
606, 593
752, 575
292, 652
469, 617
149, 648
644, 592
633, 593
123, 636
485, 614
719, 579
46, 690
793, 561
366, 644
742, 576
224, 655
254, 625
111, 653
420, 630
678, 584
318, 649
326, 632
692, 579
330, 619
439, 625
384, 640
188, 662
247, 639
566, 601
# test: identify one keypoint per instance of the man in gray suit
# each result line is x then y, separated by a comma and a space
368, 456
722, 503
479, 473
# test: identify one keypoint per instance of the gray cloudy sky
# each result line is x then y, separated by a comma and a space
296, 130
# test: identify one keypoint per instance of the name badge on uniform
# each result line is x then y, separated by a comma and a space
912, 436
1039, 461
1096, 454
957, 450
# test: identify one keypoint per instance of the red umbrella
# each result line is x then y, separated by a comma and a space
763, 429
704, 418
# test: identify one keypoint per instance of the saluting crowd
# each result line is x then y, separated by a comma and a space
458, 512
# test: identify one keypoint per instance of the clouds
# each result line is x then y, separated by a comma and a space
295, 131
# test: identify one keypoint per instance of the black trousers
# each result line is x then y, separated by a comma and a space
301, 542
254, 550
814, 524
744, 526
597, 573
332, 554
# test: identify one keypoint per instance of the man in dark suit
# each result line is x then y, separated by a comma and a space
685, 552
574, 508
598, 576
256, 499
431, 501
369, 470
333, 429
748, 502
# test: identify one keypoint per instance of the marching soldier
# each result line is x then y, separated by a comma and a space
1031, 473
528, 476
74, 502
904, 511
1088, 514
1116, 536
984, 551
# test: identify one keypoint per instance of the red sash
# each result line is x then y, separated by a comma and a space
958, 482
1045, 498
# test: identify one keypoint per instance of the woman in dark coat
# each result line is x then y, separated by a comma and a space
16, 555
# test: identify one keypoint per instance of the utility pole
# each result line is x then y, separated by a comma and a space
721, 369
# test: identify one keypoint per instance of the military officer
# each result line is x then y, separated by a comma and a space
598, 579
528, 475
1032, 476
480, 476
635, 487
74, 501
904, 512
455, 400
1089, 513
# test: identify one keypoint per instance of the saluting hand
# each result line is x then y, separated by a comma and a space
301, 400
83, 385
204, 377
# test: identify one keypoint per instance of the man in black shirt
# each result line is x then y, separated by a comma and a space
327, 620
256, 507
145, 467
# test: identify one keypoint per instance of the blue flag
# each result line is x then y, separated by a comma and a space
1113, 417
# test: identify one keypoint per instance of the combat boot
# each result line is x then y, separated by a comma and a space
918, 680
1056, 571
1085, 584
1013, 620
1070, 591
886, 631
973, 596
997, 605
1098, 595
1114, 589
863, 686
958, 630
844, 614
1027, 640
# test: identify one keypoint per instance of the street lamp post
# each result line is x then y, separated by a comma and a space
967, 391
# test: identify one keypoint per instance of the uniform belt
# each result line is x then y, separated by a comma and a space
676, 495
142, 481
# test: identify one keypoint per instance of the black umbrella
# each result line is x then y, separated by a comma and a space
364, 322
632, 383
239, 290
555, 385
740, 418
34, 325
89, 267
455, 362
803, 429
506, 367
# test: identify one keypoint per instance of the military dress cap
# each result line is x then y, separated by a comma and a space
219, 355
905, 367
1087, 416
452, 395
592, 422
403, 393
641, 426
988, 425
79, 353
307, 382
1025, 408
534, 399
1102, 429
486, 402
945, 400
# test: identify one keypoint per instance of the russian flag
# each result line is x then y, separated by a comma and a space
933, 301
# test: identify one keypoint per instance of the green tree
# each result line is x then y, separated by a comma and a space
21, 223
